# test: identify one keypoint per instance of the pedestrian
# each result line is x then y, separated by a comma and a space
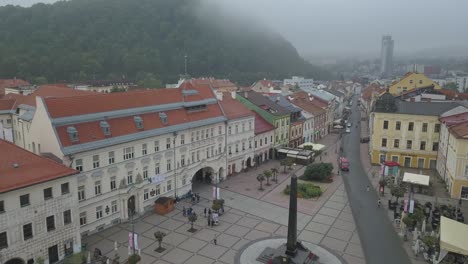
209, 212
209, 221
184, 212
367, 188
215, 241
204, 211
198, 198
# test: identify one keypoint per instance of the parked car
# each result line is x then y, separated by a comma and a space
365, 139
344, 164
348, 130
348, 125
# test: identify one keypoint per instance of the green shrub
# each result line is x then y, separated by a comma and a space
318, 172
76, 258
133, 259
305, 190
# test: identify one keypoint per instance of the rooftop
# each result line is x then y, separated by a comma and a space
261, 125
7, 83
264, 103
389, 104
20, 168
232, 108
307, 103
282, 101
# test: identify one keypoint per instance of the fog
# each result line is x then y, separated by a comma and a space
353, 27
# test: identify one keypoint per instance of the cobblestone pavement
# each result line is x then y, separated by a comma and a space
247, 217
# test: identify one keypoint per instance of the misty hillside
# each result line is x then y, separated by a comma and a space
85, 39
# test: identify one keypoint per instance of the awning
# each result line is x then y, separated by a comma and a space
418, 179
453, 236
392, 164
315, 147
338, 121
338, 126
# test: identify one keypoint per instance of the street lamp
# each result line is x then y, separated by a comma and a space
175, 166
216, 185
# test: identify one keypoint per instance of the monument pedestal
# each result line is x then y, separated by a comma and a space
278, 255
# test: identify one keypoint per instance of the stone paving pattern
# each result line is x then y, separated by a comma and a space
328, 223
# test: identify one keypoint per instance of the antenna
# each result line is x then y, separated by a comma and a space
185, 57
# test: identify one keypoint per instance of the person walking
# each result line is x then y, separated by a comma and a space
198, 198
367, 188
379, 202
215, 241
204, 211
184, 211
209, 221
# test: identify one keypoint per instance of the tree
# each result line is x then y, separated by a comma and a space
318, 172
397, 191
159, 235
192, 219
216, 207
275, 174
260, 179
268, 175
290, 163
451, 86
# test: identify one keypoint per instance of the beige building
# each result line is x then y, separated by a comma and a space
38, 207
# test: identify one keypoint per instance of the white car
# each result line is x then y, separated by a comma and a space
348, 130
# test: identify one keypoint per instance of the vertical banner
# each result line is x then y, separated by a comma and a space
216, 193
411, 207
405, 208
131, 239
135, 237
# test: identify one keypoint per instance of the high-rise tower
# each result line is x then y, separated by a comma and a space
386, 56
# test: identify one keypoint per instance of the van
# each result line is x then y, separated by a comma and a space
344, 164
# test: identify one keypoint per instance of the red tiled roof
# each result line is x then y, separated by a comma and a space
369, 90
6, 83
267, 83
233, 108
261, 125
459, 130
32, 169
96, 103
451, 94
454, 119
216, 83
301, 99
7, 104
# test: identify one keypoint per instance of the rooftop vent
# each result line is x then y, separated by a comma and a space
138, 122
163, 117
73, 134
105, 128
15, 165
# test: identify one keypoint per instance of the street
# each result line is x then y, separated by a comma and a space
380, 242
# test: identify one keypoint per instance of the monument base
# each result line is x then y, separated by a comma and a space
278, 256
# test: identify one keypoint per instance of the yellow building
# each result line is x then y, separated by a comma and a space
411, 81
452, 160
406, 132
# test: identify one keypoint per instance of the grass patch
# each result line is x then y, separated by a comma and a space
305, 190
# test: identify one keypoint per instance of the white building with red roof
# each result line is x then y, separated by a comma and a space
263, 141
38, 207
132, 147
240, 133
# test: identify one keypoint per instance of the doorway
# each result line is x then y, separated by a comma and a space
407, 162
53, 254
131, 205
15, 261
421, 163
432, 164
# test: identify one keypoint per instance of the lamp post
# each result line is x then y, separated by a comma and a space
216, 185
175, 166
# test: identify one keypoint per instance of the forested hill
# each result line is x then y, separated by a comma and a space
140, 39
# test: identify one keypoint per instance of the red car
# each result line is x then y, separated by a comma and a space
344, 164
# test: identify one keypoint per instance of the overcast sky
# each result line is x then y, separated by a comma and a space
345, 27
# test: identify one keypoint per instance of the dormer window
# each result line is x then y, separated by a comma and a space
138, 122
105, 128
163, 117
73, 134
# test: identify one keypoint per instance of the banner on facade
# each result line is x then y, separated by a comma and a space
157, 178
131, 239
411, 206
216, 193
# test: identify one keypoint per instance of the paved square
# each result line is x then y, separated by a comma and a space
311, 237
177, 256
323, 219
192, 245
317, 227
238, 231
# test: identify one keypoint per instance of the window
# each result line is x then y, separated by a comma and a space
95, 161
198, 155
99, 212
182, 139
203, 134
83, 218
243, 127
466, 171
409, 144
256, 143
145, 173
384, 142
219, 148
156, 146
65, 187
168, 143
50, 223
198, 135
97, 187
114, 206
237, 128
156, 169
206, 133
168, 165
243, 146
144, 149
193, 137
250, 125
411, 81
2, 207
266, 140
24, 200
410, 126
169, 185
396, 143
220, 130
111, 157
229, 130
158, 189
79, 165
67, 219
250, 144
27, 231
48, 193
422, 145
385, 124
81, 193
130, 177
424, 127
420, 81
437, 128
3, 240
145, 194
182, 160
128, 153
237, 148
113, 184
435, 146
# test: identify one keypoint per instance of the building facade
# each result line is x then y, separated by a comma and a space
386, 56
38, 207
412, 81
317, 114
300, 82
406, 132
134, 147
240, 134
264, 140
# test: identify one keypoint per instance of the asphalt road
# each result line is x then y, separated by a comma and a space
380, 242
